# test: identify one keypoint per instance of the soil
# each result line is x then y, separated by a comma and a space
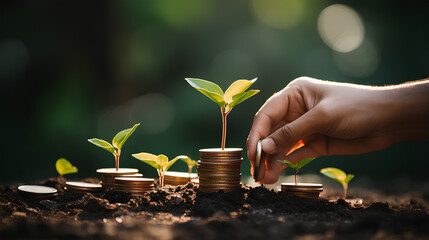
183, 212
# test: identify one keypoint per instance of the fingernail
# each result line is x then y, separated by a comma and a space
268, 145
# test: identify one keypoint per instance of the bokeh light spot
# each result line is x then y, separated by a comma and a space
341, 28
279, 13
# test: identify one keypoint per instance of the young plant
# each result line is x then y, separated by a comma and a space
191, 163
65, 167
338, 175
160, 163
117, 143
298, 166
235, 94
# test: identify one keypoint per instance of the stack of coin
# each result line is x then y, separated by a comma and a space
134, 185
37, 191
82, 187
220, 169
108, 175
307, 191
178, 178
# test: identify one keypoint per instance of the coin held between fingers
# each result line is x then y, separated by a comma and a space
259, 171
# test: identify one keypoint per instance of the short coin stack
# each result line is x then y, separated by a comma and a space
307, 191
108, 175
37, 191
220, 169
178, 178
82, 187
134, 185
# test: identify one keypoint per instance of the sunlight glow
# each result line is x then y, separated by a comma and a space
341, 28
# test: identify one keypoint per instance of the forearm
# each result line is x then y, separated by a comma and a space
408, 107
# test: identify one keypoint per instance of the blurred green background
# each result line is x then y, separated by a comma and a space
73, 70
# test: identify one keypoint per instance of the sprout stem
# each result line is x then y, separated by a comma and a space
296, 181
117, 159
190, 170
161, 178
224, 115
345, 186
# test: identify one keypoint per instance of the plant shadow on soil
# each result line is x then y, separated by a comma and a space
183, 212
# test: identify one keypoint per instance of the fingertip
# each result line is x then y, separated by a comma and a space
268, 145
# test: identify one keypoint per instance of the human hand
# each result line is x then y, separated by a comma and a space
312, 118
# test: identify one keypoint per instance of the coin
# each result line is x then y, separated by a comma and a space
37, 191
132, 175
82, 187
120, 171
135, 185
108, 175
302, 185
219, 169
178, 178
259, 168
180, 174
307, 191
221, 177
220, 164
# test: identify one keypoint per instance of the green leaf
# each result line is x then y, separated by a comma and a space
288, 163
211, 90
161, 160
64, 167
147, 158
188, 160
169, 164
335, 173
103, 144
151, 162
122, 136
237, 87
304, 162
349, 177
238, 98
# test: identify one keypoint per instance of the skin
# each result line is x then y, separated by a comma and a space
313, 118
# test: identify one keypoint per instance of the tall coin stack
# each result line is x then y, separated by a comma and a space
219, 169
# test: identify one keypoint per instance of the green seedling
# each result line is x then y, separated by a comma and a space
191, 163
298, 166
235, 94
338, 175
65, 167
117, 143
160, 163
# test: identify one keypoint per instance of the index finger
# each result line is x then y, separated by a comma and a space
266, 119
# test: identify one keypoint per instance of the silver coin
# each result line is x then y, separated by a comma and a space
37, 189
259, 168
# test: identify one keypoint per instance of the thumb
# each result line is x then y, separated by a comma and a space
286, 137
